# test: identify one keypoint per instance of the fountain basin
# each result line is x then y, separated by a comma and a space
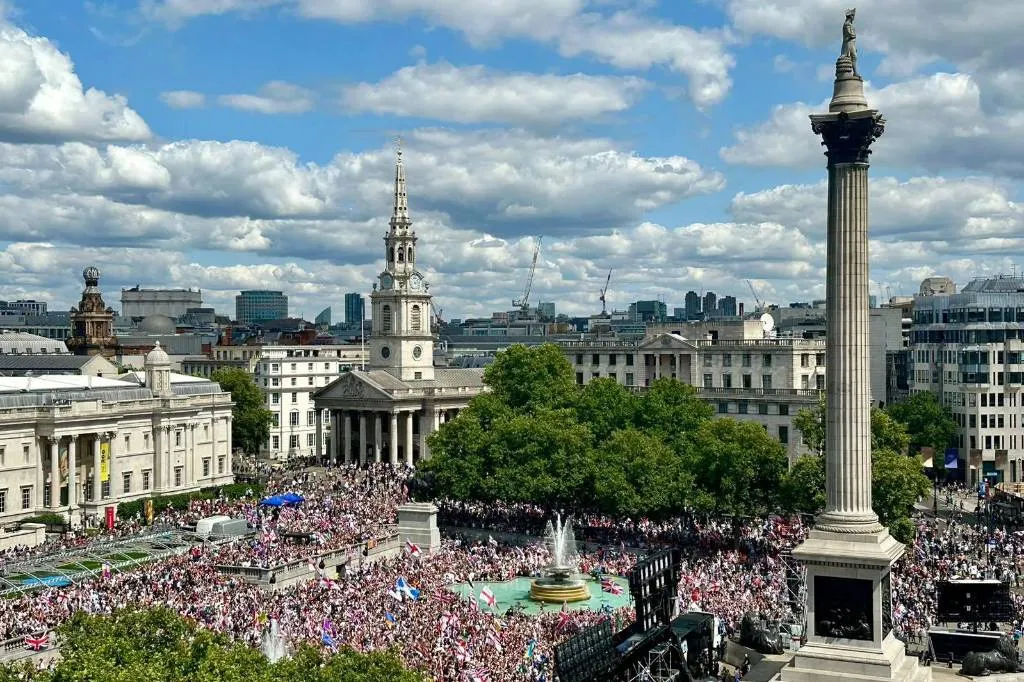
516, 592
556, 590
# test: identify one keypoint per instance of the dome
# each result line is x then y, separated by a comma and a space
157, 357
157, 324
91, 275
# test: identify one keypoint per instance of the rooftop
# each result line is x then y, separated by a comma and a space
1000, 284
22, 342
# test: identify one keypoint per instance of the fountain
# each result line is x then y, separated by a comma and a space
560, 582
274, 647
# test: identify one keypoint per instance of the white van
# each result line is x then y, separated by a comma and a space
204, 526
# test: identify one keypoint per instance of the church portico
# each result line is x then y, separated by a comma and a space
387, 411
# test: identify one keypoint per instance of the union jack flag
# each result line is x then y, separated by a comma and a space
564, 618
609, 585
38, 642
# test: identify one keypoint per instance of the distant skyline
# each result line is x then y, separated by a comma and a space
248, 144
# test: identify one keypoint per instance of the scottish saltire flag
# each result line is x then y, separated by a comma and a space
610, 586
488, 597
390, 617
412, 548
407, 589
397, 594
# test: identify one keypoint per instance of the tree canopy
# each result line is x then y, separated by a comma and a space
158, 645
537, 436
930, 424
250, 422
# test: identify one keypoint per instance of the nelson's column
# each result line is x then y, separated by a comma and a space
849, 554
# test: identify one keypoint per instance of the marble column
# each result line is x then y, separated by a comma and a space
393, 439
378, 437
97, 467
408, 438
54, 472
437, 419
190, 457
425, 423
362, 439
318, 449
231, 445
72, 471
346, 436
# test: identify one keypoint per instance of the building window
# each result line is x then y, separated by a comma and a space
127, 443
295, 397
275, 419
177, 438
177, 477
294, 381
762, 408
26, 497
417, 319
819, 359
275, 381
385, 322
145, 479
310, 367
417, 375
819, 382
595, 375
805, 359
25, 452
805, 381
309, 440
3, 501
708, 380
784, 435
294, 366
766, 381
747, 381
220, 464
766, 360
206, 467
741, 407
311, 418
612, 359
3, 455
310, 382
629, 377
746, 359
579, 358
275, 367
275, 442
629, 361
293, 419
707, 360
726, 381
726, 360
579, 378
723, 408
783, 409
595, 359
126, 482
275, 398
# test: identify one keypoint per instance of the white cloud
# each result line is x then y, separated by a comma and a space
275, 97
952, 131
183, 99
42, 99
475, 94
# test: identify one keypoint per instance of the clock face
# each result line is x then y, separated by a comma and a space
385, 352
387, 282
416, 282
417, 352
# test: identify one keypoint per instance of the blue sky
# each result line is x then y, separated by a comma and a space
232, 144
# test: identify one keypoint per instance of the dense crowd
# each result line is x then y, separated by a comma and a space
730, 566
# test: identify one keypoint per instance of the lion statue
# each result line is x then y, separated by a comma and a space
758, 638
1003, 659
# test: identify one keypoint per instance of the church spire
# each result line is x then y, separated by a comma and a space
400, 215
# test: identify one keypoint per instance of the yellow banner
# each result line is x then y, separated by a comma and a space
149, 511
104, 462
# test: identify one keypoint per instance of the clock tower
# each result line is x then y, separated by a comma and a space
401, 342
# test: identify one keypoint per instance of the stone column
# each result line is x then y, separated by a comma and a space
346, 436
378, 437
362, 439
408, 438
54, 472
425, 423
437, 419
190, 456
318, 450
335, 440
72, 473
97, 466
393, 439
231, 445
848, 137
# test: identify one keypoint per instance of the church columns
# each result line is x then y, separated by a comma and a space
426, 424
378, 437
54, 472
408, 438
335, 439
346, 434
362, 439
393, 439
72, 472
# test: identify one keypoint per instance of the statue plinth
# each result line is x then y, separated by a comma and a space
848, 90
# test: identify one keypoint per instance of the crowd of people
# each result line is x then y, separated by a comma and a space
730, 566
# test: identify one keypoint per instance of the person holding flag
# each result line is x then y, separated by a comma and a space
487, 597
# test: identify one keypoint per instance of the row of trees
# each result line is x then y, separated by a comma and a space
158, 645
537, 436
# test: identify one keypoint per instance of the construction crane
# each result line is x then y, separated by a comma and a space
438, 311
604, 294
524, 303
757, 299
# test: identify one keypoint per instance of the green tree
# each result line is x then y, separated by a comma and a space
811, 424
740, 465
158, 645
250, 423
897, 483
529, 379
606, 406
929, 423
671, 410
803, 486
636, 474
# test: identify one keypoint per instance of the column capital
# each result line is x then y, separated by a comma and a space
847, 137
110, 434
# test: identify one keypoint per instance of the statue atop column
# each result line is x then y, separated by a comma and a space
850, 40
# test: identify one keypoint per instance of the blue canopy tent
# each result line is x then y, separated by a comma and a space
293, 498
275, 501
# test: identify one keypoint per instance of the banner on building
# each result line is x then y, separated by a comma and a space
62, 461
105, 462
952, 458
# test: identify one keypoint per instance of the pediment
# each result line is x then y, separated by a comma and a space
352, 386
667, 342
